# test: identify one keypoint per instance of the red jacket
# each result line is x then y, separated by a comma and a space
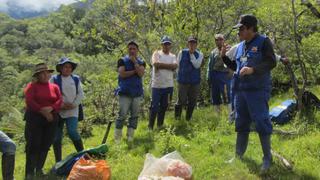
39, 95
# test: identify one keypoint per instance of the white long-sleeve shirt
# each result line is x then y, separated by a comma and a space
69, 95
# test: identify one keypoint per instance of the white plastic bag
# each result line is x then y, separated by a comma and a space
169, 167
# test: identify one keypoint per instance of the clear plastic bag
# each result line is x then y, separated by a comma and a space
169, 167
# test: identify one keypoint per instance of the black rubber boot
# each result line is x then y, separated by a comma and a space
57, 151
177, 112
189, 112
31, 161
241, 144
78, 145
40, 163
152, 119
267, 156
8, 166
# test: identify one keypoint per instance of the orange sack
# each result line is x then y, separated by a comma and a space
85, 169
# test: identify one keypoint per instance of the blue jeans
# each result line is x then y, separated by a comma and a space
128, 105
7, 146
218, 81
159, 105
72, 129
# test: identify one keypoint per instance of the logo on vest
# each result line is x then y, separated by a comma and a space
254, 49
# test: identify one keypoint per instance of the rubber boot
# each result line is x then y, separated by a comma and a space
57, 151
117, 135
177, 112
78, 144
241, 144
8, 166
130, 134
152, 119
40, 163
189, 112
267, 156
31, 161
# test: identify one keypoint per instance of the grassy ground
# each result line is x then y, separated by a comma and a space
206, 143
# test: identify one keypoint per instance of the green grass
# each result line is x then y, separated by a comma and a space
206, 143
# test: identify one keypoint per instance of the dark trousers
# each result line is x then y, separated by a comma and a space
159, 105
252, 106
220, 87
39, 135
187, 97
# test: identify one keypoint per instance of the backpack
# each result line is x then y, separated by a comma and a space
58, 81
284, 112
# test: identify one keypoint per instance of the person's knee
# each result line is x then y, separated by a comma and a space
154, 107
10, 147
264, 127
133, 122
74, 134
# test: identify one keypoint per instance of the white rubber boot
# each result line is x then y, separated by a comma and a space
130, 134
117, 135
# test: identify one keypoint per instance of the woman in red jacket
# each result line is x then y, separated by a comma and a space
43, 100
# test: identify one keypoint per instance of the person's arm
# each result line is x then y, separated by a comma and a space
268, 61
196, 62
229, 63
157, 64
79, 96
179, 58
122, 70
139, 68
57, 105
209, 64
30, 98
165, 66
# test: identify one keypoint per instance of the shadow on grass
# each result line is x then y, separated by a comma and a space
276, 171
183, 128
147, 142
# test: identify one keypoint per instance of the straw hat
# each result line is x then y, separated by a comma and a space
40, 68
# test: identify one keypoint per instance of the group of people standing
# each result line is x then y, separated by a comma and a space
240, 76
51, 101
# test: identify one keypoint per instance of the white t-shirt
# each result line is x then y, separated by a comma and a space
162, 78
69, 95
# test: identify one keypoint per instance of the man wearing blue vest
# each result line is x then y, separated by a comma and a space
130, 69
189, 62
252, 84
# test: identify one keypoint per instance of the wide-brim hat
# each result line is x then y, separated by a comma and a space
63, 61
40, 68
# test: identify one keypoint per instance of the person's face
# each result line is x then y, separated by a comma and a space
245, 33
133, 50
44, 76
219, 42
66, 69
166, 47
192, 45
